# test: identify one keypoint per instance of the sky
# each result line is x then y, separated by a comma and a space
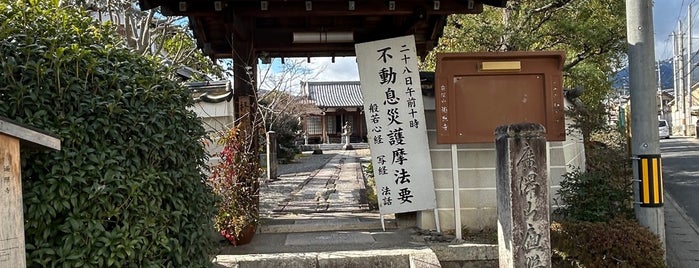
322, 68
666, 14
343, 69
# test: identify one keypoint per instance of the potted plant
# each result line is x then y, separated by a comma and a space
235, 180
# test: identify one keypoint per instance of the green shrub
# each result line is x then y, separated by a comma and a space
286, 126
619, 243
607, 151
127, 188
604, 190
592, 196
370, 182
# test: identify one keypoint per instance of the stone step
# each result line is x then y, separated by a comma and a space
418, 258
351, 240
409, 255
332, 146
326, 225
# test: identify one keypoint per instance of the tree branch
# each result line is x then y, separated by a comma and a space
552, 5
586, 54
144, 40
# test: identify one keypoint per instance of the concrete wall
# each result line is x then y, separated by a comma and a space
216, 117
477, 177
677, 125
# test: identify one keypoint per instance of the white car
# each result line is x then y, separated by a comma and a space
663, 129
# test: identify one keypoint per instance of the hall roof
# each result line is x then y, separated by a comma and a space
334, 94
296, 28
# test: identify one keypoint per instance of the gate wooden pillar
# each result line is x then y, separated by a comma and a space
12, 137
245, 76
244, 94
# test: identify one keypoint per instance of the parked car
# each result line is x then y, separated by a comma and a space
663, 129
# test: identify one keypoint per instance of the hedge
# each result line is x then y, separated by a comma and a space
127, 188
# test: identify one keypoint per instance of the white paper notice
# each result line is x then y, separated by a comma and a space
394, 112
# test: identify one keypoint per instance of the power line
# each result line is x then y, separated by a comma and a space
679, 15
667, 42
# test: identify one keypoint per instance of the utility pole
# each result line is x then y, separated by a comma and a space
645, 146
689, 102
679, 98
688, 86
660, 91
675, 78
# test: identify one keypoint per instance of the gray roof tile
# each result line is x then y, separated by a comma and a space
335, 94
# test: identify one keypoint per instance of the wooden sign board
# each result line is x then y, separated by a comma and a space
477, 92
12, 136
12, 227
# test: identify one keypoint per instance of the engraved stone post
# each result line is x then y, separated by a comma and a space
523, 198
271, 155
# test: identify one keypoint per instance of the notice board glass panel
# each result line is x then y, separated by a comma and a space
495, 100
477, 92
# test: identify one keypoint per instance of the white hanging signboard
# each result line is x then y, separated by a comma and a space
395, 116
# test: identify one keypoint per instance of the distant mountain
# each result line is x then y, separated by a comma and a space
621, 78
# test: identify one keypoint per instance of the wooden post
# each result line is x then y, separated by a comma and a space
523, 196
12, 250
244, 81
12, 227
245, 99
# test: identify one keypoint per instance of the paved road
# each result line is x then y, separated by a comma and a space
681, 172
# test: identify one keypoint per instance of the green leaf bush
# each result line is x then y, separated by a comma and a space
127, 189
594, 196
286, 127
618, 243
604, 190
596, 226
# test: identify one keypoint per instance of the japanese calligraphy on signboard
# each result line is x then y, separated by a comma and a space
395, 117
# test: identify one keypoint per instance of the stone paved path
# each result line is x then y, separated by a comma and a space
336, 187
316, 184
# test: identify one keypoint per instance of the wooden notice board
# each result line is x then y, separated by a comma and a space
12, 137
477, 92
12, 227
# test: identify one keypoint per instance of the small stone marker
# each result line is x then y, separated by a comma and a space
523, 196
346, 133
12, 250
272, 163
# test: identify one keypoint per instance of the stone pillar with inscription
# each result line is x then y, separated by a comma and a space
272, 162
522, 196
12, 137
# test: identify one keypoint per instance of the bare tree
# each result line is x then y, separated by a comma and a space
280, 92
150, 33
